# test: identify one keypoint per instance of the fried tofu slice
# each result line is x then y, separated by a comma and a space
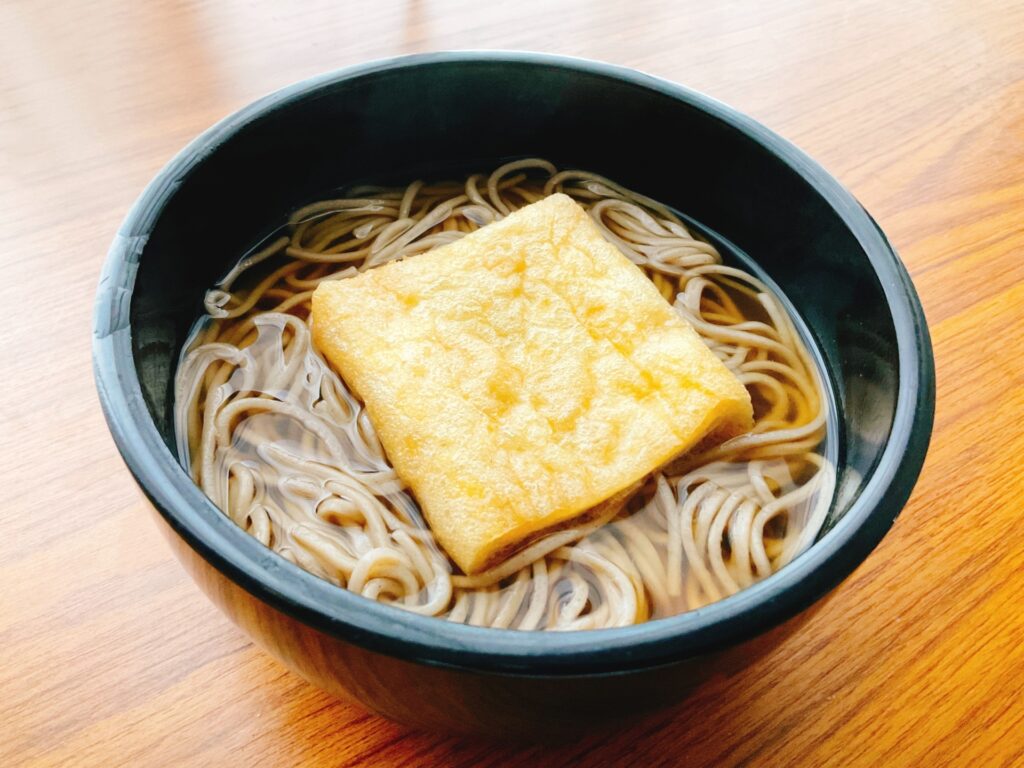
522, 376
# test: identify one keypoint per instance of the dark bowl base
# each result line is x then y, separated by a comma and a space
434, 699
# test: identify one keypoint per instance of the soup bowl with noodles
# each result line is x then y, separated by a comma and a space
298, 511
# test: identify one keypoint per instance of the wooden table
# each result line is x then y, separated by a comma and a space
111, 656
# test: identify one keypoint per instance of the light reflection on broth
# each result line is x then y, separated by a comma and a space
276, 440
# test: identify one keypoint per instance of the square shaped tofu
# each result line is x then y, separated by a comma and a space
522, 375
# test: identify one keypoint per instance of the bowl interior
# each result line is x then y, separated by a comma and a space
401, 123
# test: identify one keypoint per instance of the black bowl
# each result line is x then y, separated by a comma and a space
411, 116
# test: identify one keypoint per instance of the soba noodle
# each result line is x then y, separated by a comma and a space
273, 436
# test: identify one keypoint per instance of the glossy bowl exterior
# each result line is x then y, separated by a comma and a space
418, 115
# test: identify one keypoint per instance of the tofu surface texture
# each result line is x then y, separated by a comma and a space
522, 375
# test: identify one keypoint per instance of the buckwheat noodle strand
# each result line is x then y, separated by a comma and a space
274, 437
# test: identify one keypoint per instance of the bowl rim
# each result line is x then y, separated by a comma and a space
427, 640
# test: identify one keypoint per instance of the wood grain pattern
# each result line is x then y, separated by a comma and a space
112, 656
